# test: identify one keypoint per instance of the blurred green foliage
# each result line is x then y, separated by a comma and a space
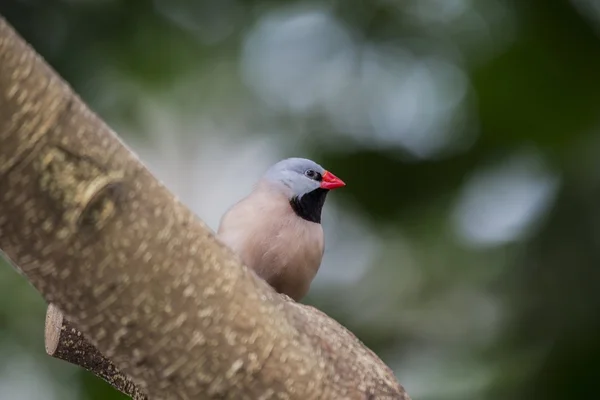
456, 318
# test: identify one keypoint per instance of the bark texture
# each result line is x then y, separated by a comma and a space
142, 278
65, 342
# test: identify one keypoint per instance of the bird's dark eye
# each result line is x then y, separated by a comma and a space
313, 174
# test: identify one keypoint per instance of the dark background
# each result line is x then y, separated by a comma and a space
465, 248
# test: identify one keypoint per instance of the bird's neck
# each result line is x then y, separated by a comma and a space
310, 205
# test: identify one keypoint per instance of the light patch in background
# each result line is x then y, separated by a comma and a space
413, 101
400, 100
209, 21
479, 29
394, 278
499, 204
208, 166
436, 374
437, 11
350, 247
590, 10
297, 57
303, 59
457, 315
24, 377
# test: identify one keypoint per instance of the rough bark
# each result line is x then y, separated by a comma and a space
139, 274
65, 342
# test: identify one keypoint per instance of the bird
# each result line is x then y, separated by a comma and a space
276, 229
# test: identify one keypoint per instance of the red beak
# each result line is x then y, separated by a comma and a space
330, 181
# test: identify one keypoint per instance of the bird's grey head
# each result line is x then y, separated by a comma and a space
298, 176
306, 184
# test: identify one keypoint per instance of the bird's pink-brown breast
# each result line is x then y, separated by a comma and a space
282, 248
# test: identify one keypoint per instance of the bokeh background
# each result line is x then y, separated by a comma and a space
465, 249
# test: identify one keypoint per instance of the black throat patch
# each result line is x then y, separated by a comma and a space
310, 205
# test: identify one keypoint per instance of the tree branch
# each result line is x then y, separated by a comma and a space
143, 279
65, 342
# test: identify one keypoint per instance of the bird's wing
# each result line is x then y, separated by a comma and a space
250, 225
